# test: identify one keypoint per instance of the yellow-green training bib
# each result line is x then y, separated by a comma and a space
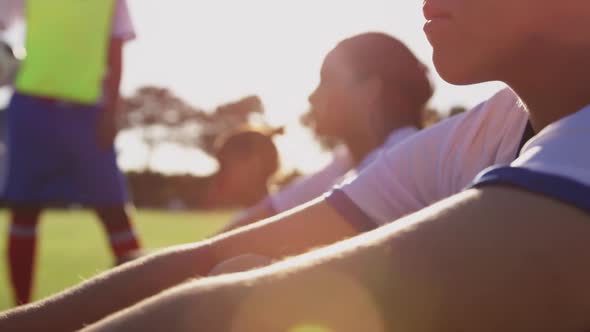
67, 48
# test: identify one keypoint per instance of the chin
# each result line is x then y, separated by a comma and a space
455, 71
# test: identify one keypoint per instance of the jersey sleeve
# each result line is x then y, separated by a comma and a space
559, 187
10, 12
555, 163
433, 164
400, 181
122, 24
314, 185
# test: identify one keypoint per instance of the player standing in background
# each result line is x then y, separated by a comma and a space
62, 125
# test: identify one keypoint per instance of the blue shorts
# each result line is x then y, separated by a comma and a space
53, 156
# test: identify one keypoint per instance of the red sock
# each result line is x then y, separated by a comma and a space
21, 253
122, 237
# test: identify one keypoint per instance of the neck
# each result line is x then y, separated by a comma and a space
361, 144
555, 88
254, 194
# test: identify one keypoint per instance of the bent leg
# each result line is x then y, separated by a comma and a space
485, 260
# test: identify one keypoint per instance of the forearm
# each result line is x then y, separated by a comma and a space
113, 79
296, 292
110, 291
439, 270
254, 214
290, 233
313, 226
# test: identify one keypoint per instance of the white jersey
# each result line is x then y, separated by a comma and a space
436, 163
341, 168
552, 163
122, 27
394, 138
313, 185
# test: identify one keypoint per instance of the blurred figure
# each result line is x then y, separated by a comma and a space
8, 63
248, 159
61, 123
371, 96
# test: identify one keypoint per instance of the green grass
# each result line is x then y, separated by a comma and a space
73, 247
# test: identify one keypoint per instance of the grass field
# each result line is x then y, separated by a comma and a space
73, 246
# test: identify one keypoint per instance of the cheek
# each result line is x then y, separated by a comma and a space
461, 58
330, 109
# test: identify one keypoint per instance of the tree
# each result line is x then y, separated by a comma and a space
161, 117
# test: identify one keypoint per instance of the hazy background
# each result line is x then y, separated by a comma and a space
212, 52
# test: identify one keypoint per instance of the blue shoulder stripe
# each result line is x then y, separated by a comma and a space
350, 211
564, 189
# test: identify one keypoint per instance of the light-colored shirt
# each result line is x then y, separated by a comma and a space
436, 163
394, 138
554, 163
313, 185
13, 10
339, 170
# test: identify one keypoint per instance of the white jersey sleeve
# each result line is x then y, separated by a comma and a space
313, 185
10, 12
340, 170
433, 164
122, 23
393, 139
554, 163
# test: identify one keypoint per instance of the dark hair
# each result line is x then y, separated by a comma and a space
375, 53
247, 142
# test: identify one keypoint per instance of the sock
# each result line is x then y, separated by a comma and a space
21, 253
122, 236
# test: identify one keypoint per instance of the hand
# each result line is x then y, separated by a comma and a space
107, 128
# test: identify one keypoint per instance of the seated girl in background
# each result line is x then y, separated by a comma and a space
248, 159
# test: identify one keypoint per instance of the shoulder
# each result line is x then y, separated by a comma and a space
553, 163
500, 112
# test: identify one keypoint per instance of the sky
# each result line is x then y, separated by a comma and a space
214, 51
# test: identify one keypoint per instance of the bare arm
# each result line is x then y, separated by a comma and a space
284, 235
256, 213
107, 130
495, 259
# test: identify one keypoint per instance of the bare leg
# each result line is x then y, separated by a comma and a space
491, 260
